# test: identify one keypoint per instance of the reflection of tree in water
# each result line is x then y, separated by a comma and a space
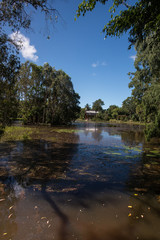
132, 138
145, 177
129, 136
36, 161
97, 135
39, 164
95, 130
43, 165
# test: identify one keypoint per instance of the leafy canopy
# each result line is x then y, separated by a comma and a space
46, 95
97, 105
15, 15
140, 18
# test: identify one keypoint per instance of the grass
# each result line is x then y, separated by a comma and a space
16, 134
112, 121
64, 130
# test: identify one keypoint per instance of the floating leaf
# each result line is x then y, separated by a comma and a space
155, 152
147, 165
2, 199
150, 155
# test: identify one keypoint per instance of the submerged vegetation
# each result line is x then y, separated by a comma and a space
16, 134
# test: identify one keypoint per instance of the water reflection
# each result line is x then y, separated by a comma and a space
95, 183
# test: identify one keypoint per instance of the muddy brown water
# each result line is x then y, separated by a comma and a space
86, 182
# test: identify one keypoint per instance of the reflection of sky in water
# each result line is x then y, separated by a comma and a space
98, 137
102, 157
97, 176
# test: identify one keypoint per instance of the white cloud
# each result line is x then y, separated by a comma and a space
95, 64
28, 51
133, 57
104, 64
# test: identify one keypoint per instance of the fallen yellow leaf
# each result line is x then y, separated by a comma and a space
2, 199
10, 215
130, 207
129, 214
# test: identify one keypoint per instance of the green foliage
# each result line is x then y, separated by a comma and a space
82, 113
46, 95
9, 66
16, 134
97, 105
139, 18
153, 129
87, 107
145, 82
15, 15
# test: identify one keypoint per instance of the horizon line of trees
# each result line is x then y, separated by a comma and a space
125, 113
140, 19
131, 110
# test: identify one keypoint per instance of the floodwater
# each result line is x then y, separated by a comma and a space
86, 182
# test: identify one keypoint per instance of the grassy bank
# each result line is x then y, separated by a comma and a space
112, 121
15, 133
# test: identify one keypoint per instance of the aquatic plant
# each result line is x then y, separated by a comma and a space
15, 133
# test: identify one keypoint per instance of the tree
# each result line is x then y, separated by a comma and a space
145, 81
110, 110
15, 15
63, 101
97, 105
129, 107
139, 18
46, 95
87, 107
9, 66
82, 113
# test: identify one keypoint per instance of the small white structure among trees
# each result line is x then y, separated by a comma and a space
90, 114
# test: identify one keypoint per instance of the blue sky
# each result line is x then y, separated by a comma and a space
98, 68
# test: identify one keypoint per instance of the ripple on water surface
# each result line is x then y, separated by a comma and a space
85, 182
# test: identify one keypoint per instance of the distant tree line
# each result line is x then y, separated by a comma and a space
141, 20
145, 110
125, 113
